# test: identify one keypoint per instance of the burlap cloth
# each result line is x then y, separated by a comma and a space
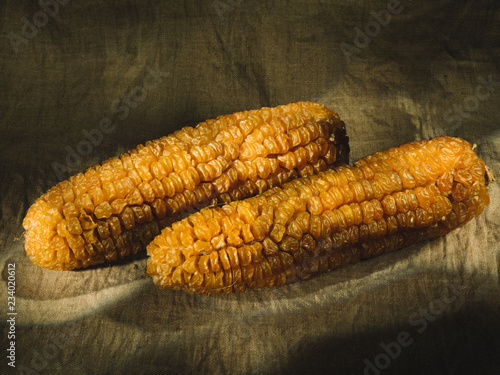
394, 71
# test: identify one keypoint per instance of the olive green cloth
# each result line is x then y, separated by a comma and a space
82, 81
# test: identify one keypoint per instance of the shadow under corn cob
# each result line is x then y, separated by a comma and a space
315, 224
116, 208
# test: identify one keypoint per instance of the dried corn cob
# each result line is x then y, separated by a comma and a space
314, 224
116, 208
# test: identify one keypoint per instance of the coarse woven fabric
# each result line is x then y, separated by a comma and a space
151, 67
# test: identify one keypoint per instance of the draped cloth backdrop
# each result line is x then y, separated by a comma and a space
84, 81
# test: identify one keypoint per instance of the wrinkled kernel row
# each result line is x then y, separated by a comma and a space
320, 222
232, 157
301, 234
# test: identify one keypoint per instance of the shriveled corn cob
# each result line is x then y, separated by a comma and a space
116, 208
311, 225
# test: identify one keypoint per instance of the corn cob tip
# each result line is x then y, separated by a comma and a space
490, 176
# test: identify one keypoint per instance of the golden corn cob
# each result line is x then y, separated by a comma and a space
116, 208
315, 224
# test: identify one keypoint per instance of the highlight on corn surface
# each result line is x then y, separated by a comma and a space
116, 208
311, 225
